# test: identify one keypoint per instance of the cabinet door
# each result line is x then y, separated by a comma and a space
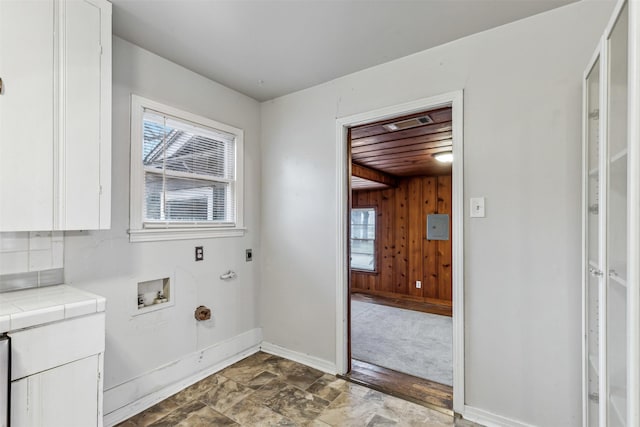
616, 277
64, 396
592, 235
26, 114
85, 82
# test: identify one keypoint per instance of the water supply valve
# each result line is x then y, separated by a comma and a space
202, 313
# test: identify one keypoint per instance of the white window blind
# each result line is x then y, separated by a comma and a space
189, 172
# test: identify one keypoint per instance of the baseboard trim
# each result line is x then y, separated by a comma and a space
393, 295
305, 359
127, 399
490, 419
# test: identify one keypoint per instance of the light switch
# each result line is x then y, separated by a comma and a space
477, 207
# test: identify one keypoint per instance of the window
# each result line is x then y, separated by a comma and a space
186, 175
363, 239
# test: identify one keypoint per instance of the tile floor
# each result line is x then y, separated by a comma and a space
267, 390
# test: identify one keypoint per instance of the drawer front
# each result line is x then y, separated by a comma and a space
38, 349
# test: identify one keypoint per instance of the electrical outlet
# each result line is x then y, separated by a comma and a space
418, 284
199, 253
249, 255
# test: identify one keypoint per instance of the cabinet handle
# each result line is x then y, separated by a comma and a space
0, 85
595, 272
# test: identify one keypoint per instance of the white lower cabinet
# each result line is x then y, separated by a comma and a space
43, 399
56, 373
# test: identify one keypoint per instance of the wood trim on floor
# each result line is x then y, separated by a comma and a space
402, 296
408, 304
417, 390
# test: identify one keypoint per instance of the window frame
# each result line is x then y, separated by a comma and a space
376, 251
139, 231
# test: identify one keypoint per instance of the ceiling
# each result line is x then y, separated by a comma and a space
404, 152
268, 48
358, 183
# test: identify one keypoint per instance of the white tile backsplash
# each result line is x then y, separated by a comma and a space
40, 240
30, 252
14, 262
11, 242
57, 254
40, 260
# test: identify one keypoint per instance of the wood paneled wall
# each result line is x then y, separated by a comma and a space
404, 253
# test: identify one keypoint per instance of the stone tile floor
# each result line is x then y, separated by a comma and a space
267, 390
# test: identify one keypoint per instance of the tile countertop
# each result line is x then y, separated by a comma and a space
37, 306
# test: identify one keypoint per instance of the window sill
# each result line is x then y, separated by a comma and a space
369, 272
161, 234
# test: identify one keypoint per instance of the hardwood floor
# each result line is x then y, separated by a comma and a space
417, 390
425, 307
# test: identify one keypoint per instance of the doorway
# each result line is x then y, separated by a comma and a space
400, 191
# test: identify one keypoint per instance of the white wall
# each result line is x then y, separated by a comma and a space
106, 263
522, 129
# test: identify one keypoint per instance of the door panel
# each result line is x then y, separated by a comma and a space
63, 396
593, 242
81, 82
616, 277
26, 114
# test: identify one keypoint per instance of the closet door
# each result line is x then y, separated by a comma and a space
593, 277
615, 295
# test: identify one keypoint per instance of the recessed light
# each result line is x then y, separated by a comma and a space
444, 157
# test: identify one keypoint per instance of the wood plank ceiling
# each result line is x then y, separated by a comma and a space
403, 152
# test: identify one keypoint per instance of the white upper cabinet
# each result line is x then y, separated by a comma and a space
85, 115
55, 115
26, 115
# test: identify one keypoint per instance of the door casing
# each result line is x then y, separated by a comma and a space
343, 190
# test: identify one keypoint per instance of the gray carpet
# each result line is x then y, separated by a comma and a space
419, 344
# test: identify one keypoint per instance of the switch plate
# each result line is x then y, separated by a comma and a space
249, 255
199, 253
477, 207
418, 284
